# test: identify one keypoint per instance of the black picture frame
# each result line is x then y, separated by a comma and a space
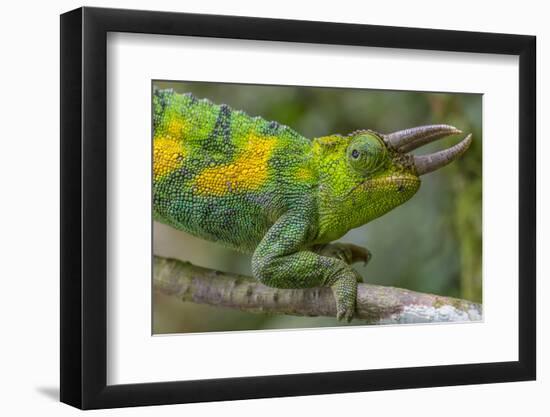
84, 207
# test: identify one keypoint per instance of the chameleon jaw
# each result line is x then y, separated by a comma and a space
407, 140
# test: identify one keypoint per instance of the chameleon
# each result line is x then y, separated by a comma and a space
261, 188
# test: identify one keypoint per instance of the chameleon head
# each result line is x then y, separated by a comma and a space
376, 173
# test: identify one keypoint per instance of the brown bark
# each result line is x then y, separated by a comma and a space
375, 304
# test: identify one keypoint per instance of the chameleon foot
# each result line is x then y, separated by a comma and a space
345, 293
347, 252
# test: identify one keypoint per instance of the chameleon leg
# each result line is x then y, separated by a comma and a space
281, 261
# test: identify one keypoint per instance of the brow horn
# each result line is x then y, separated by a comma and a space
409, 139
428, 163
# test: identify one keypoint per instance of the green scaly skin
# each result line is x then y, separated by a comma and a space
259, 187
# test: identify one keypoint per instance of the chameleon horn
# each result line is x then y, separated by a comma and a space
428, 163
409, 139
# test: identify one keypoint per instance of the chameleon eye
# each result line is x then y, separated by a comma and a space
366, 153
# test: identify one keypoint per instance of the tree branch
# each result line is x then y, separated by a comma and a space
375, 304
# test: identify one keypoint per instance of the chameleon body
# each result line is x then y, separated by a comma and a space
260, 187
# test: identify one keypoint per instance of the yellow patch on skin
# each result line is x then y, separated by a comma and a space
328, 140
174, 127
168, 156
248, 172
304, 174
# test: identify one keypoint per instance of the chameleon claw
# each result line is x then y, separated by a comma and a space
343, 315
357, 253
345, 294
347, 252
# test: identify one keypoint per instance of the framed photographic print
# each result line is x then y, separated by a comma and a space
258, 208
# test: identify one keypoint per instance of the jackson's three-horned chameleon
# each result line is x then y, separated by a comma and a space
261, 188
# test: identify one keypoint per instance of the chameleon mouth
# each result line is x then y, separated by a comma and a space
407, 140
398, 183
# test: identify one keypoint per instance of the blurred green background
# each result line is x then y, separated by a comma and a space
436, 235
